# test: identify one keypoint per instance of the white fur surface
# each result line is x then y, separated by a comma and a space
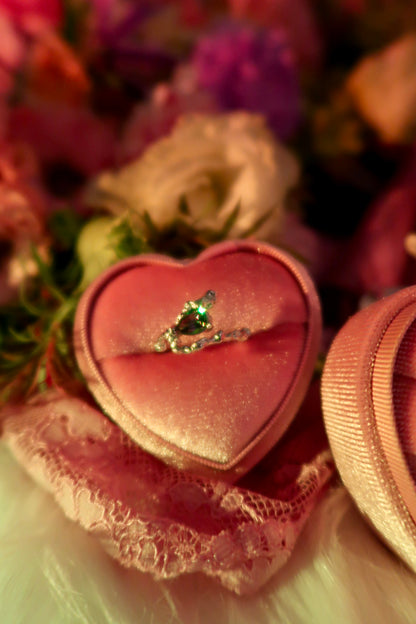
51, 572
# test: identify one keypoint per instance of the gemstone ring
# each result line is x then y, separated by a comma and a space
193, 320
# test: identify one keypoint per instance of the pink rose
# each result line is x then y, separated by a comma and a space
156, 118
20, 22
33, 16
59, 133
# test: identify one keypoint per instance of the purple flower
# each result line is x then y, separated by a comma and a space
120, 29
252, 70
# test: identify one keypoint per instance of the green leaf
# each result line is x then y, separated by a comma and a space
125, 242
36, 332
65, 226
24, 337
31, 308
223, 233
46, 276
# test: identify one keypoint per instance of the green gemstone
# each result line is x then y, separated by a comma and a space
196, 320
193, 322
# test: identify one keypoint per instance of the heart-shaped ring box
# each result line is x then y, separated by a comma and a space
216, 411
369, 406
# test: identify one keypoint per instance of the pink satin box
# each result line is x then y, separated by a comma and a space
369, 405
217, 411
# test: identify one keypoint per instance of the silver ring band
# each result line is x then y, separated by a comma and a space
194, 319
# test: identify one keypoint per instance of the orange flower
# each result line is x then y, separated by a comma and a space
383, 88
54, 73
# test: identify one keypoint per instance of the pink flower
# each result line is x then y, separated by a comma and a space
120, 33
11, 43
23, 206
33, 16
54, 73
20, 187
21, 21
65, 135
295, 17
193, 13
375, 260
156, 118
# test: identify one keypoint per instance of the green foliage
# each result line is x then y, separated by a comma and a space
126, 242
184, 239
36, 346
65, 226
36, 331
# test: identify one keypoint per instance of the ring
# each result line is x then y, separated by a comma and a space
194, 319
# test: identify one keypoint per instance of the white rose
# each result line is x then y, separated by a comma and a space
215, 162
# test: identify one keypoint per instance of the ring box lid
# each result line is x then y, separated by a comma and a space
368, 397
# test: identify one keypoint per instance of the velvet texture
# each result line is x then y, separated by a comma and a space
219, 410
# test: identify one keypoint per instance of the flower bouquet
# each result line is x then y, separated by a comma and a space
195, 198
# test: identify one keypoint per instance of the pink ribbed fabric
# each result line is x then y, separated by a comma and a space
367, 396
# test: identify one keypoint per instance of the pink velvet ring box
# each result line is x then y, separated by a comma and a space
216, 411
369, 405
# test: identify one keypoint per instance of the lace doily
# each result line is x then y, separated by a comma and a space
160, 520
